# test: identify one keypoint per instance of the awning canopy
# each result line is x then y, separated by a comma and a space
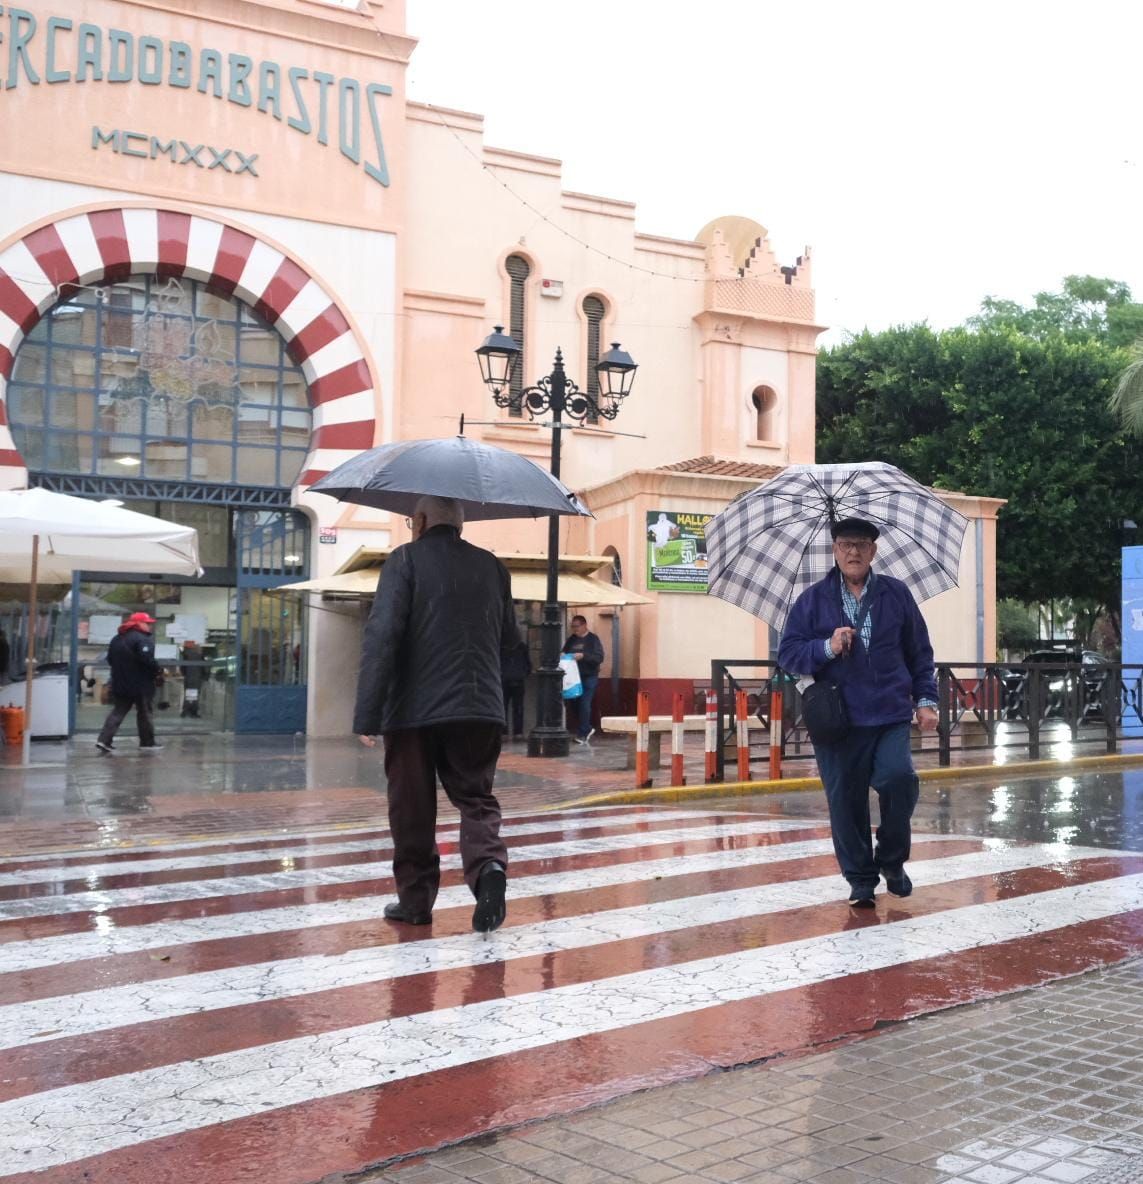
356, 579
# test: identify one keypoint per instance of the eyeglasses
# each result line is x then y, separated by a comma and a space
858, 546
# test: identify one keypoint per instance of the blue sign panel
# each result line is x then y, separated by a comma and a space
1132, 635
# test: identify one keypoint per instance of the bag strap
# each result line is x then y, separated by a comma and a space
863, 609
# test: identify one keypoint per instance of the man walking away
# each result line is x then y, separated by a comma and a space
134, 673
193, 671
587, 650
514, 673
864, 632
429, 683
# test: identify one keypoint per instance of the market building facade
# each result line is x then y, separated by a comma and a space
233, 254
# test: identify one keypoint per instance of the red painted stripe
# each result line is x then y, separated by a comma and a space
3, 413
10, 459
357, 435
34, 1068
16, 304
323, 329
558, 833
238, 901
51, 254
346, 381
312, 476
233, 252
174, 241
314, 858
116, 970
288, 281
111, 239
6, 360
368, 1127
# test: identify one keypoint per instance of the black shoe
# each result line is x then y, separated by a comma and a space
862, 898
151, 747
490, 888
900, 884
396, 911
106, 749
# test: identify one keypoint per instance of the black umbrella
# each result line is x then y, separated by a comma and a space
488, 482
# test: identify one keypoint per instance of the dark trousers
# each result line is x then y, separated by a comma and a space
583, 704
463, 756
513, 706
877, 758
144, 718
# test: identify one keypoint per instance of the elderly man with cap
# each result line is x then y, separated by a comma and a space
134, 674
863, 632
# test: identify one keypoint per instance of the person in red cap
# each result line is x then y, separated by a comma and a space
134, 673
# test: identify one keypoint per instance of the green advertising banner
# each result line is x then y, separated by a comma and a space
676, 551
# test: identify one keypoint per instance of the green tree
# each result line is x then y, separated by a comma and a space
1016, 627
1086, 307
997, 412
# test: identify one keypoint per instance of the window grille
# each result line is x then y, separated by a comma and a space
518, 269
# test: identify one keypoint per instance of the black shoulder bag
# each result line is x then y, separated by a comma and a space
823, 706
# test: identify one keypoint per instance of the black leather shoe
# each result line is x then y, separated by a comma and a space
862, 898
900, 884
396, 911
490, 888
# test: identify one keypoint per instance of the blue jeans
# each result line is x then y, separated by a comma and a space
583, 704
877, 757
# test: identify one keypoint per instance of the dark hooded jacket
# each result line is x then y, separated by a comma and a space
441, 622
134, 670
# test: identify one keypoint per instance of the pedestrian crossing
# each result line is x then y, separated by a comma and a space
203, 1017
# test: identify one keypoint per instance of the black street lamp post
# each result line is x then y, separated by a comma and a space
499, 357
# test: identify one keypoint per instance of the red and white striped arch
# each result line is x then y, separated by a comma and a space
108, 245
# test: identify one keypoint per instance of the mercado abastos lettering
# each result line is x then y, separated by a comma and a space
309, 101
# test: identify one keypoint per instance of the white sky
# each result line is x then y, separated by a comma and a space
930, 153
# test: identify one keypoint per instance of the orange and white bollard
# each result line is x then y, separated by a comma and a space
742, 721
678, 736
775, 735
711, 769
643, 741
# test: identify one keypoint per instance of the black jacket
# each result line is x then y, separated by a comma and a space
517, 664
441, 621
131, 656
592, 649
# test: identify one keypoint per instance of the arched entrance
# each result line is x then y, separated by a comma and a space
192, 370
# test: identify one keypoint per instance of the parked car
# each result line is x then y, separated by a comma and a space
1085, 671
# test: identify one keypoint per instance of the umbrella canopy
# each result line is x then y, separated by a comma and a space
48, 536
767, 547
488, 482
78, 534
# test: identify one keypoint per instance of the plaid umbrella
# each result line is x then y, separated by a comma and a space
771, 544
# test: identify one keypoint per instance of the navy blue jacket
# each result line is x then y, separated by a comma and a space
882, 685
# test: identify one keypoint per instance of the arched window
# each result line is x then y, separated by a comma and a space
764, 401
159, 379
518, 269
594, 311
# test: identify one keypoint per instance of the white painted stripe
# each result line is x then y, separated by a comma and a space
161, 999
41, 1131
202, 247
327, 459
108, 941
356, 408
380, 844
78, 237
10, 333
311, 301
142, 227
260, 269
341, 351
102, 899
26, 273
140, 844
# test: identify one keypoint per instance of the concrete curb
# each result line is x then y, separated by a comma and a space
683, 793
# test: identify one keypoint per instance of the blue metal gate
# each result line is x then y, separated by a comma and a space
272, 548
